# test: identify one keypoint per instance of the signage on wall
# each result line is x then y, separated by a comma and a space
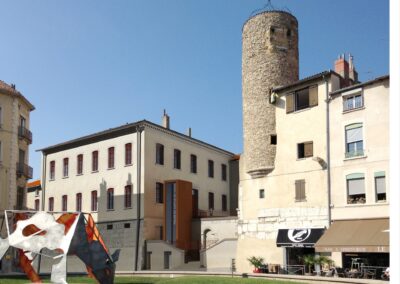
301, 237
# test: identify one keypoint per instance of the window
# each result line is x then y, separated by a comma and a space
193, 164
127, 225
355, 188
177, 159
354, 140
93, 206
211, 201
128, 196
380, 186
352, 102
95, 161
300, 188
210, 168
167, 256
110, 199
160, 232
37, 204
65, 167
20, 197
79, 202
79, 168
159, 192
37, 192
159, 154
261, 193
51, 204
52, 169
64, 203
274, 139
302, 99
223, 172
109, 226
111, 157
128, 154
304, 150
224, 203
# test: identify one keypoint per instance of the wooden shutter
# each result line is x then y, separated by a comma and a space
313, 95
308, 149
289, 103
300, 190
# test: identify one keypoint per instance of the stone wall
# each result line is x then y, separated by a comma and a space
269, 59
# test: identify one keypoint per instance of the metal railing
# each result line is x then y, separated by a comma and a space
210, 213
24, 133
24, 170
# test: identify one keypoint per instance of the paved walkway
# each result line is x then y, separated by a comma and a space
298, 278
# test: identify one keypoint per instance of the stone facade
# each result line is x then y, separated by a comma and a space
269, 59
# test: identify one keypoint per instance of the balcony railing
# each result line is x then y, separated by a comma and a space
24, 170
24, 133
356, 153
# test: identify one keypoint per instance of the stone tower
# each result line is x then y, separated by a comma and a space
270, 58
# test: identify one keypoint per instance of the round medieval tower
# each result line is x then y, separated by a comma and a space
270, 58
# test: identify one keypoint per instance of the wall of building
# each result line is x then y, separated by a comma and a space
261, 218
218, 258
374, 116
157, 249
159, 173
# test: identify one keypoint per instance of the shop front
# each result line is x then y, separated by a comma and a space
298, 243
357, 242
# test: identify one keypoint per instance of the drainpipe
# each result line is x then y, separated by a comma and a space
139, 130
43, 181
328, 155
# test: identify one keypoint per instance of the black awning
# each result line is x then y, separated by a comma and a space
298, 237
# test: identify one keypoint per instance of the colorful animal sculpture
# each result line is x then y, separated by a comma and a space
71, 234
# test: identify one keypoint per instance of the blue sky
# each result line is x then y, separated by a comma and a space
92, 65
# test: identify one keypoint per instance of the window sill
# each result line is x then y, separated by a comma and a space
128, 165
195, 173
110, 209
304, 158
159, 203
353, 109
177, 169
93, 172
79, 175
109, 169
65, 177
127, 208
355, 158
302, 200
53, 179
157, 164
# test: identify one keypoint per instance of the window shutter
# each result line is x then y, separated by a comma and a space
313, 93
289, 103
300, 189
308, 149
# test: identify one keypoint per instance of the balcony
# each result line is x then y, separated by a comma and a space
24, 133
210, 213
354, 154
24, 170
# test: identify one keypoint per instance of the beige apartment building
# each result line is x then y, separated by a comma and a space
15, 138
359, 144
146, 186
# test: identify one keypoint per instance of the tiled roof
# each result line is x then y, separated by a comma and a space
33, 183
304, 80
373, 81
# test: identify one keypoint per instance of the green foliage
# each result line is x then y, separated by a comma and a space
256, 261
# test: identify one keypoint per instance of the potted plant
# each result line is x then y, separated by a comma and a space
309, 261
256, 262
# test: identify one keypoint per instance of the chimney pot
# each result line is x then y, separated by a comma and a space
189, 132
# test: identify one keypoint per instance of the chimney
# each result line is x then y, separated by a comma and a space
346, 70
165, 120
353, 75
189, 132
13, 86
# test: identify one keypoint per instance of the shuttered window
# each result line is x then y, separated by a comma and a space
355, 188
380, 186
313, 93
300, 188
302, 99
305, 150
289, 103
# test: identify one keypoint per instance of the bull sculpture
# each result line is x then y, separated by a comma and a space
71, 234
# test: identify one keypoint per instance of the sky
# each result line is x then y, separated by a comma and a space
92, 65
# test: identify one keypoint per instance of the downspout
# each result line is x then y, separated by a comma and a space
43, 181
328, 155
139, 130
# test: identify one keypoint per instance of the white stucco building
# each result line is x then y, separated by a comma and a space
142, 182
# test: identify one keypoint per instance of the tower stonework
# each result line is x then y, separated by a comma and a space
270, 58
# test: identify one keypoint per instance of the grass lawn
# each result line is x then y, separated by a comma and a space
161, 280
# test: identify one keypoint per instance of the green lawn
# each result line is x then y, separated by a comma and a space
162, 280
